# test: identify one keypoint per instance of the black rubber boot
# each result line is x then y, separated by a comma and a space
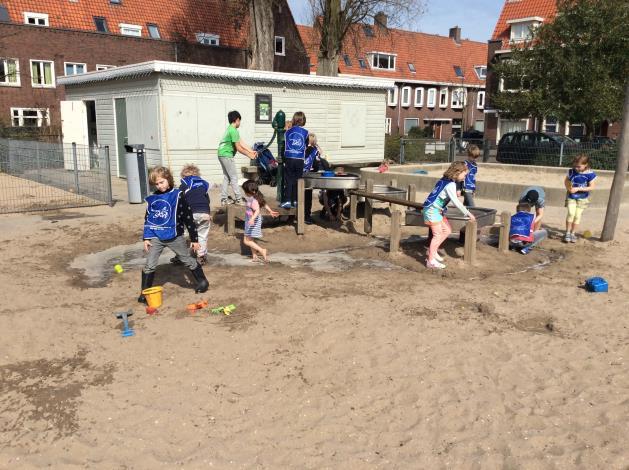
199, 276
147, 281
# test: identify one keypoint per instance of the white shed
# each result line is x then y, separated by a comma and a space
179, 112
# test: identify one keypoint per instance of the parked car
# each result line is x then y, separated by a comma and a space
535, 148
599, 141
471, 136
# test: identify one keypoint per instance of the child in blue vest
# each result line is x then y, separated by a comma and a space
434, 211
468, 186
166, 214
579, 183
523, 235
296, 141
195, 190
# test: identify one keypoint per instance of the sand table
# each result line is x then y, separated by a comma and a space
22, 195
500, 175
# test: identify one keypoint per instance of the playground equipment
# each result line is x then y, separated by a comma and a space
328, 180
124, 316
225, 310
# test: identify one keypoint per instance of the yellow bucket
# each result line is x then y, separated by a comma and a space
153, 296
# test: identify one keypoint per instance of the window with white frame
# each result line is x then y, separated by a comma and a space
42, 74
419, 97
36, 19
480, 100
458, 98
387, 126
481, 71
382, 61
551, 124
9, 72
208, 39
409, 123
392, 96
30, 117
130, 29
100, 67
280, 45
74, 68
522, 30
406, 96
443, 98
431, 99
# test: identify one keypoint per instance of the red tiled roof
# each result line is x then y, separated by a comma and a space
517, 9
433, 56
175, 18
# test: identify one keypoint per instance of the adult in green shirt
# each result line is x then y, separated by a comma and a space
230, 144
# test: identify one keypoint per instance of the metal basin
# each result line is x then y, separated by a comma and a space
390, 191
484, 217
315, 180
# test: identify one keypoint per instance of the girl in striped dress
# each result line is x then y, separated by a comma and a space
254, 200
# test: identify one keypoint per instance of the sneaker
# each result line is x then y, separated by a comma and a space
568, 237
285, 205
439, 258
309, 221
526, 250
435, 265
225, 202
573, 238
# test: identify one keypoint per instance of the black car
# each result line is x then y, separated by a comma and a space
535, 148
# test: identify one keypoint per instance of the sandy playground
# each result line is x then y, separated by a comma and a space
336, 356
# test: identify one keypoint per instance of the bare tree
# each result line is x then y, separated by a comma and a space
333, 20
261, 34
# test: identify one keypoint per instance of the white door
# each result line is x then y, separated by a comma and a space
74, 129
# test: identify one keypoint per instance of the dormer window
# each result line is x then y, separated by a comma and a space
130, 29
458, 71
481, 71
382, 61
208, 39
411, 67
522, 28
36, 19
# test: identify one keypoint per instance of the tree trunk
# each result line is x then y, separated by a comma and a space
328, 58
261, 35
615, 194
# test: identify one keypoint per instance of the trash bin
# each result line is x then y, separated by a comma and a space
137, 176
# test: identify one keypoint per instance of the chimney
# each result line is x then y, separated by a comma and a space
380, 20
455, 33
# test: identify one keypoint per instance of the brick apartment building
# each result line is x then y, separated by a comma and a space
41, 40
439, 80
514, 26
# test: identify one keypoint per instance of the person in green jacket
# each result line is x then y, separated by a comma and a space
229, 145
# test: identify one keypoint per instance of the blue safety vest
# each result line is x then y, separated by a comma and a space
522, 227
434, 194
470, 179
296, 142
161, 218
194, 182
312, 153
580, 180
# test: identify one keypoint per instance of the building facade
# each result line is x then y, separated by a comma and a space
439, 80
517, 20
41, 41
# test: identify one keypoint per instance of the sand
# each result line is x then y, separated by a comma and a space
377, 363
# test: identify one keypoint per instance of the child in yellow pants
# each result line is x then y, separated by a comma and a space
579, 182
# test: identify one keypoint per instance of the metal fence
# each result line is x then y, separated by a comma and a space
37, 176
603, 156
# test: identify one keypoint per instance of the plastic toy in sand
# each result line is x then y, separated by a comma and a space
124, 316
197, 306
151, 310
118, 269
596, 284
225, 310
587, 234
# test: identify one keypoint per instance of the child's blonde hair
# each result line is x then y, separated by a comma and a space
190, 169
161, 172
454, 170
299, 119
473, 151
312, 139
581, 159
